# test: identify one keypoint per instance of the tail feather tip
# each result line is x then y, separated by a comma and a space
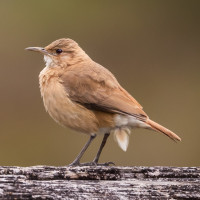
157, 127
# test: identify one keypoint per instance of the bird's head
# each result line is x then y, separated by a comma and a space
62, 52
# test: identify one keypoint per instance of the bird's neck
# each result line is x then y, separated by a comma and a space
81, 56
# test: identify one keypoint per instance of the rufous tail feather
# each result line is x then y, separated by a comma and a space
157, 127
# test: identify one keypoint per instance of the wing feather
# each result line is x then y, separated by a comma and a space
94, 87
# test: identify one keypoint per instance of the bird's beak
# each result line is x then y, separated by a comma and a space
38, 49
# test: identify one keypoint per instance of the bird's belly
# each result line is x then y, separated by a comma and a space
66, 112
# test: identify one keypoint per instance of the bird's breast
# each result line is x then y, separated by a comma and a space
65, 111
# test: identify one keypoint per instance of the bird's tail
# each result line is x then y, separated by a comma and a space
157, 127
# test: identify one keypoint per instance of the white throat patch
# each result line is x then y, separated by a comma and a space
48, 61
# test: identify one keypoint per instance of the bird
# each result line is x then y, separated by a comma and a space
85, 96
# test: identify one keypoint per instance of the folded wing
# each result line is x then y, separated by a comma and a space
96, 88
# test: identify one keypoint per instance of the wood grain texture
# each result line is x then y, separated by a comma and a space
46, 182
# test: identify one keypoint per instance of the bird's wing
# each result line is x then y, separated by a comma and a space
94, 87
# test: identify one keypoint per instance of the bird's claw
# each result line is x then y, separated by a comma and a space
92, 164
74, 164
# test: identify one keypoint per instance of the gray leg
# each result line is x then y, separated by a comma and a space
77, 160
96, 159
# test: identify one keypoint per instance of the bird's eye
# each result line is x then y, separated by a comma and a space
58, 51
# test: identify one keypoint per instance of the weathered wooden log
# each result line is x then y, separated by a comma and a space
46, 182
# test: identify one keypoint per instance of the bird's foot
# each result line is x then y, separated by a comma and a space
93, 163
97, 164
74, 164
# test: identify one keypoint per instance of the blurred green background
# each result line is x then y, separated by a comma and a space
152, 47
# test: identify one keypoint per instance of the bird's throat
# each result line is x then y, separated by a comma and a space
48, 61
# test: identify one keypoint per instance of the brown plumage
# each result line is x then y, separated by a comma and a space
83, 95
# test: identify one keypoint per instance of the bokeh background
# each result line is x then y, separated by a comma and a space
152, 47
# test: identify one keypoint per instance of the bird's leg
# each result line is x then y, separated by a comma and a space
96, 159
77, 160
